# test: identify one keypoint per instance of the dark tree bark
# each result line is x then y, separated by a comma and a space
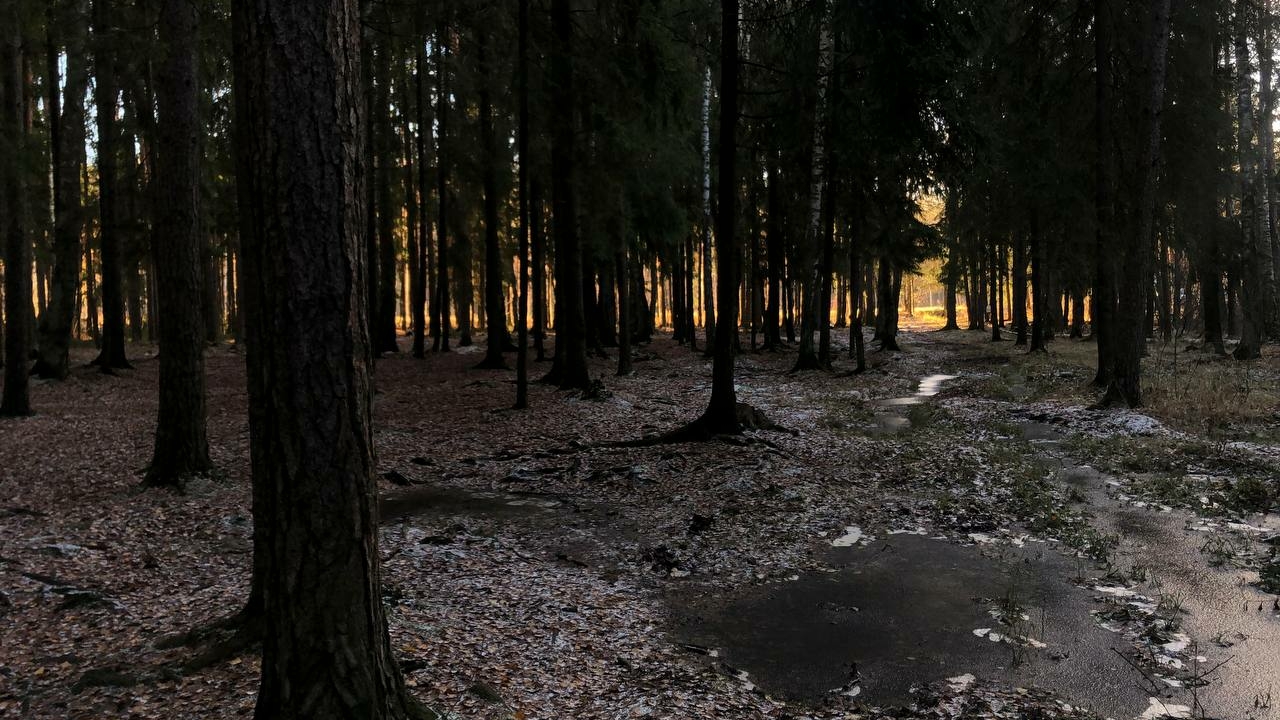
1253, 295
569, 370
17, 249
1104, 297
721, 416
414, 295
326, 652
182, 446
106, 93
57, 322
496, 337
1126, 352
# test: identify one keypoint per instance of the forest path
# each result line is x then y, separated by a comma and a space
903, 608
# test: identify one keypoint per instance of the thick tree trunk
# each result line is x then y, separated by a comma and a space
326, 653
570, 369
1126, 377
182, 446
1269, 251
17, 249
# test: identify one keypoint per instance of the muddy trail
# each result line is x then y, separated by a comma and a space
1132, 622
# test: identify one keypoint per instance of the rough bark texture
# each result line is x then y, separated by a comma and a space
17, 250
182, 446
300, 125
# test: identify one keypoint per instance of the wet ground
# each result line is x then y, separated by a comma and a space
904, 611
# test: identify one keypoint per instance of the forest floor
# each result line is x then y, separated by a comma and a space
952, 533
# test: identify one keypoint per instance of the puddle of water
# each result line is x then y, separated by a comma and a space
929, 386
892, 422
908, 611
1221, 606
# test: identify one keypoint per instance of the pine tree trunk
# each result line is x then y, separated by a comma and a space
1104, 298
721, 415
496, 337
326, 653
16, 399
57, 322
1254, 286
569, 370
1019, 314
182, 446
106, 93
440, 299
708, 291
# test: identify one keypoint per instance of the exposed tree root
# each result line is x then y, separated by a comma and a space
701, 430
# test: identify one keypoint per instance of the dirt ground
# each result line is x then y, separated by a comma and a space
533, 571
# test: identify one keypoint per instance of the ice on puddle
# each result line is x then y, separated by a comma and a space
852, 536
1157, 709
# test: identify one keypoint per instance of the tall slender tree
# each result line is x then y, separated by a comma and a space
106, 96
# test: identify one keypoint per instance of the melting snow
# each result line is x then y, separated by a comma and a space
852, 536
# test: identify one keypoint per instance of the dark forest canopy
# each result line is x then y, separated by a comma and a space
331, 183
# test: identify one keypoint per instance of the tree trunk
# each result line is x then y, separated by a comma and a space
570, 369
17, 249
1269, 251
1019, 314
496, 337
182, 445
708, 292
326, 652
721, 416
994, 269
811, 312
106, 93
1126, 353
538, 250
774, 245
1252, 218
57, 322
1104, 291
440, 299
522, 314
